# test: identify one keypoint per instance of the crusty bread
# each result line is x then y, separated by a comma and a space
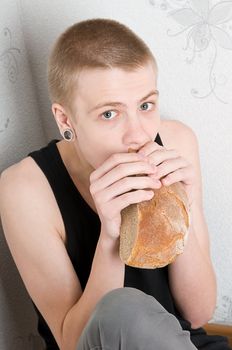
154, 232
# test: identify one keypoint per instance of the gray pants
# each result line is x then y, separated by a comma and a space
128, 319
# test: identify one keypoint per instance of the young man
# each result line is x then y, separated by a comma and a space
62, 223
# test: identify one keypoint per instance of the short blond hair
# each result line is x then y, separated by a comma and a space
93, 43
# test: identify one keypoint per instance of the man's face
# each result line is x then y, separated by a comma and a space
129, 118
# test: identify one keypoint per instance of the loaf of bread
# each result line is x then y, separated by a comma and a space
154, 232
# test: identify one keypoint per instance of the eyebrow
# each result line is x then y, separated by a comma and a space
113, 103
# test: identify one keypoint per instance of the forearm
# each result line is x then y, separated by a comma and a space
193, 283
107, 273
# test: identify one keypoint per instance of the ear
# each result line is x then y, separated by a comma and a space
63, 119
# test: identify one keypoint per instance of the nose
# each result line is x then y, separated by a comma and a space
135, 135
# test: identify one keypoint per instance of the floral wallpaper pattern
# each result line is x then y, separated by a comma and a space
223, 312
8, 59
206, 27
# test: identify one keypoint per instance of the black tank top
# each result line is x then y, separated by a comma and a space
82, 227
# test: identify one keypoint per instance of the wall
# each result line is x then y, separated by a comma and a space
192, 41
20, 131
195, 83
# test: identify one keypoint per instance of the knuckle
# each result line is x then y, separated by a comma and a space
99, 202
91, 177
92, 189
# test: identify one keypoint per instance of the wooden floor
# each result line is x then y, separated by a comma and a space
219, 329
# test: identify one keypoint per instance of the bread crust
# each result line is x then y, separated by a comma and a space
153, 233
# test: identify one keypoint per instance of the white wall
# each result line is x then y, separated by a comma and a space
181, 85
20, 131
20, 125
195, 86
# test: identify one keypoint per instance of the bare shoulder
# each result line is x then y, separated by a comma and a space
30, 221
20, 172
26, 177
178, 135
19, 175
24, 169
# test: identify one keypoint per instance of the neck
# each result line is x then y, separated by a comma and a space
78, 169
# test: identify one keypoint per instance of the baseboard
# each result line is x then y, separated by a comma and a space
219, 329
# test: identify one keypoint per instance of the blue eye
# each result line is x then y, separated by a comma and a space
108, 114
146, 104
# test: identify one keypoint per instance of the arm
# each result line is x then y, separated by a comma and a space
27, 213
192, 277
107, 273
193, 283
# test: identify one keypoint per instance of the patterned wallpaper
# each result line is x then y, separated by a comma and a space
20, 131
223, 312
206, 29
9, 56
8, 60
19, 108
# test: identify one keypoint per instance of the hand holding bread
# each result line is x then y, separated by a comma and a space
111, 188
153, 233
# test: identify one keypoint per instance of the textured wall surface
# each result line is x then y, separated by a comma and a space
192, 41
20, 131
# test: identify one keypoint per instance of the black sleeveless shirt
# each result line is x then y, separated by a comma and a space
82, 227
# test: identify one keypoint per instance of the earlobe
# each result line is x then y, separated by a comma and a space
68, 135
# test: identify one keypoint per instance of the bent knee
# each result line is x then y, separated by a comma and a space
130, 310
121, 299
125, 304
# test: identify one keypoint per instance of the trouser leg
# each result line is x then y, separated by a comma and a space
128, 319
